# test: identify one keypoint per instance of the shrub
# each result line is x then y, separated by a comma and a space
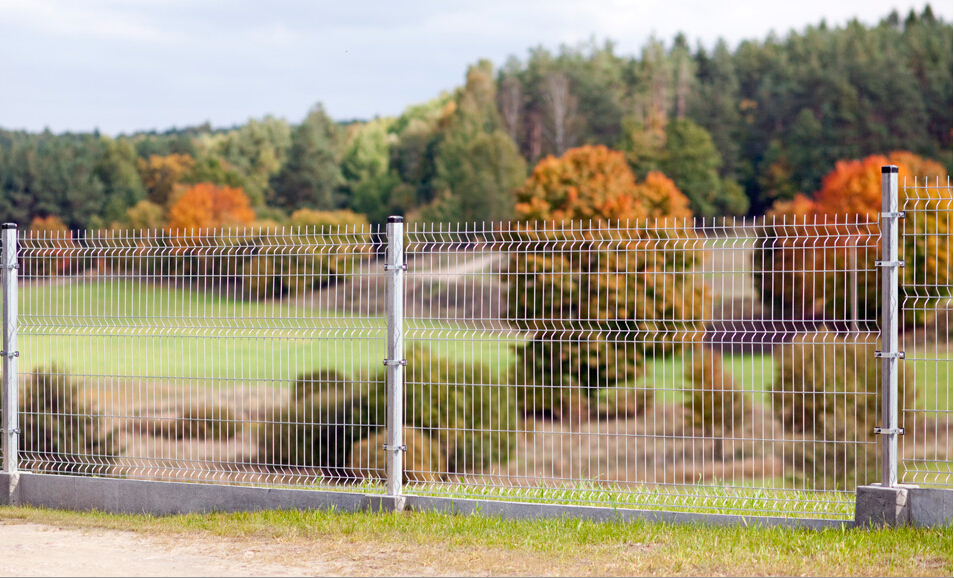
590, 294
424, 460
201, 422
622, 402
319, 248
59, 433
826, 392
325, 416
459, 418
464, 407
716, 406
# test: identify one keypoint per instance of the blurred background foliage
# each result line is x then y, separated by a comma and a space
736, 129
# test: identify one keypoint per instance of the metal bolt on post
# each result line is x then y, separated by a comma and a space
395, 362
890, 353
8, 269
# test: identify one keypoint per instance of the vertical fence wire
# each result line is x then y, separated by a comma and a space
927, 284
704, 366
238, 356
723, 365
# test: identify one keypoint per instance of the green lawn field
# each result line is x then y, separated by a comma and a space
177, 334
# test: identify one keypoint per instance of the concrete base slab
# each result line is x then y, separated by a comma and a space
163, 498
880, 506
903, 505
931, 507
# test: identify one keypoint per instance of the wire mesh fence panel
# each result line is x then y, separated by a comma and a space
683, 365
236, 356
927, 239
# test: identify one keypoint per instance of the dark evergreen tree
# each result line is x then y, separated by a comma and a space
311, 176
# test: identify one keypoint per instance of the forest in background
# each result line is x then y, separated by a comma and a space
736, 130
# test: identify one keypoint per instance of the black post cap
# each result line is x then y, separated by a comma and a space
9, 226
395, 219
889, 169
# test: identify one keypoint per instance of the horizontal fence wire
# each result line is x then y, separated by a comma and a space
926, 288
241, 356
722, 365
725, 365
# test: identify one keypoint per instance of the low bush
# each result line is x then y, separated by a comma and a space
459, 418
715, 405
325, 416
622, 402
464, 407
60, 433
424, 460
552, 382
827, 394
201, 423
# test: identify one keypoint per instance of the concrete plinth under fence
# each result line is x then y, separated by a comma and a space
164, 498
921, 507
903, 505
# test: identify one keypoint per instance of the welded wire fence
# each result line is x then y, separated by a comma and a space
927, 242
723, 365
242, 357
691, 365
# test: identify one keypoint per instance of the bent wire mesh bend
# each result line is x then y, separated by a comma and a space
243, 356
643, 365
711, 366
927, 242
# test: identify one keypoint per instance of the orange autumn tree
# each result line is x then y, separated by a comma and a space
204, 210
815, 242
601, 278
208, 206
49, 248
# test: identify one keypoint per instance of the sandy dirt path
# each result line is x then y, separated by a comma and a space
30, 549
42, 550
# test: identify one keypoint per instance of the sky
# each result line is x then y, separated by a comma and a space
120, 66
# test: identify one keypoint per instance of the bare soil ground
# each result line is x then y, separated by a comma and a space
42, 550
31, 549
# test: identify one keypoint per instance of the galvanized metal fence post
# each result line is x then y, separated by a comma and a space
8, 268
395, 362
890, 353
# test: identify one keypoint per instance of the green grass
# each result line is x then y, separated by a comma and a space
117, 328
753, 373
933, 380
455, 544
710, 498
128, 328
742, 498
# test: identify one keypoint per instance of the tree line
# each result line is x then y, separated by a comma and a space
736, 130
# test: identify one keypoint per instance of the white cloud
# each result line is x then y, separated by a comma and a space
123, 65
71, 20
